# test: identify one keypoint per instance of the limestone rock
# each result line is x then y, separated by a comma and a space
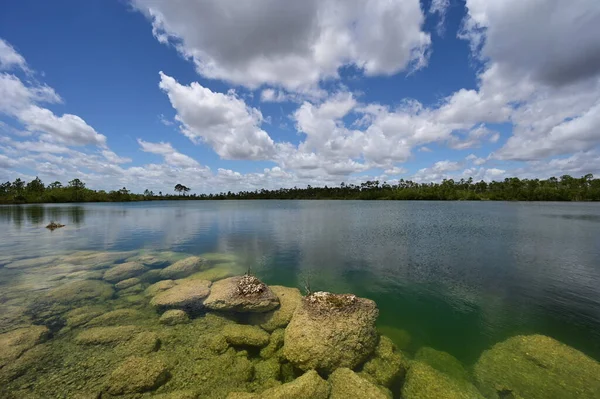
241, 294
308, 386
130, 282
328, 331
275, 343
423, 381
442, 361
187, 295
387, 366
14, 343
265, 370
124, 271
238, 334
136, 375
345, 383
534, 367
182, 268
173, 317
159, 286
289, 299
105, 335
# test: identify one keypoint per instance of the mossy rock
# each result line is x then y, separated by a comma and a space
79, 291
289, 299
345, 383
225, 296
124, 271
95, 259
14, 343
105, 335
308, 386
29, 362
136, 375
423, 381
329, 331
275, 344
80, 316
534, 367
186, 394
265, 370
159, 287
130, 282
173, 317
141, 344
218, 272
401, 338
186, 295
244, 335
118, 317
442, 361
387, 367
182, 268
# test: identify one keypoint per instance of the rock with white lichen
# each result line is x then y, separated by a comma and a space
329, 331
241, 294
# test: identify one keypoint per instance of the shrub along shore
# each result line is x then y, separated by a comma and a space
565, 188
170, 325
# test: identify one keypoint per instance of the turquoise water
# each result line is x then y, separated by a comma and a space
457, 276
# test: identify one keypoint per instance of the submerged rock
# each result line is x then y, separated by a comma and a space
242, 335
387, 365
241, 294
159, 286
130, 282
14, 343
275, 343
182, 268
308, 386
124, 271
80, 316
267, 370
136, 375
289, 299
117, 317
29, 361
187, 295
423, 381
218, 272
345, 383
442, 361
328, 331
173, 317
534, 367
105, 335
32, 262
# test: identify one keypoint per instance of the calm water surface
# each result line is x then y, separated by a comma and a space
458, 276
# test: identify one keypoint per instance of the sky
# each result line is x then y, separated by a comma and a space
223, 95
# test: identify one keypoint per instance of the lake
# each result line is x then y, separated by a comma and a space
455, 276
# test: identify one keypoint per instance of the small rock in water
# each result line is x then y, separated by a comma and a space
124, 271
387, 366
105, 335
137, 375
159, 286
345, 383
241, 294
187, 295
173, 317
54, 225
130, 282
14, 343
289, 299
243, 335
182, 268
423, 381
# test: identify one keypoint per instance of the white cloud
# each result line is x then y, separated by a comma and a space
171, 156
291, 44
223, 121
475, 159
10, 58
440, 7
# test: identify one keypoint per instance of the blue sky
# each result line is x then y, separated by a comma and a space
221, 95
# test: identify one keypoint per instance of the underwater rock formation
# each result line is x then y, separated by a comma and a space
105, 335
442, 361
14, 343
328, 331
173, 317
130, 282
289, 299
32, 262
243, 335
187, 295
387, 366
423, 381
159, 286
241, 294
124, 271
182, 268
137, 374
345, 383
535, 367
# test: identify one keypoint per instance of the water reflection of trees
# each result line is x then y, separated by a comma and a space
40, 214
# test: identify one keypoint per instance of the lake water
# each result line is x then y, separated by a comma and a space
456, 276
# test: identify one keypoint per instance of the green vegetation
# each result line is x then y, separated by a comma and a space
565, 188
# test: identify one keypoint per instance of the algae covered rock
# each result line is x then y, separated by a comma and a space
117, 317
243, 335
182, 268
275, 343
345, 383
173, 317
241, 294
124, 271
136, 375
105, 335
130, 282
177, 395
308, 386
188, 295
159, 286
266, 370
387, 365
328, 331
14, 343
536, 366
423, 381
289, 299
81, 316
442, 361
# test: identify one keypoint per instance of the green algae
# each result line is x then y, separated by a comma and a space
442, 361
243, 335
423, 381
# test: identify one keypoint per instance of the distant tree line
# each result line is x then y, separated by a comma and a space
565, 188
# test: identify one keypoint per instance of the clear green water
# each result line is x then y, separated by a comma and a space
459, 277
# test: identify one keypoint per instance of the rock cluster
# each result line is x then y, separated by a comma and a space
241, 294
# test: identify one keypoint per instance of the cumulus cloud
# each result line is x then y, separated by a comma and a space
10, 58
171, 156
223, 121
291, 44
